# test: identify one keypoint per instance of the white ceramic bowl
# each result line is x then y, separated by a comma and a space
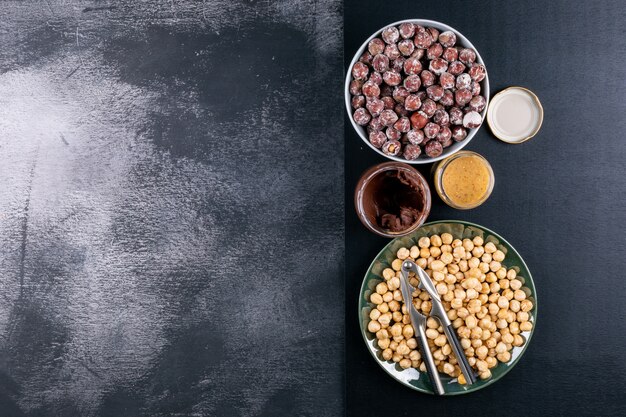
456, 146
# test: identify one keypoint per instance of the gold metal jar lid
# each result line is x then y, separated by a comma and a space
515, 115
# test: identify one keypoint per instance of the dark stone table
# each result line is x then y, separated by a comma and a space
171, 208
559, 199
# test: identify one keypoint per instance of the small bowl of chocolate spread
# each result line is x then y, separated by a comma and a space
392, 199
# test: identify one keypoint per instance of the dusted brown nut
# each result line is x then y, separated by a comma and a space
475, 88
412, 103
358, 101
450, 54
392, 51
355, 87
390, 34
422, 95
392, 77
428, 78
435, 92
406, 47
376, 78
462, 96
478, 103
444, 135
418, 120
412, 83
388, 103
434, 51
370, 89
447, 99
459, 133
447, 80
400, 110
456, 68
463, 81
414, 136
376, 46
422, 39
412, 152
467, 56
477, 72
431, 129
402, 125
377, 138
447, 39
375, 124
388, 117
472, 120
380, 63
441, 117
456, 116
362, 116
433, 149
438, 66
412, 66
366, 58
360, 71
393, 134
398, 64
391, 147
418, 53
400, 94
446, 143
375, 106
434, 33
428, 107
407, 30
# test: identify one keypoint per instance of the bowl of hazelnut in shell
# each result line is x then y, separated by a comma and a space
417, 91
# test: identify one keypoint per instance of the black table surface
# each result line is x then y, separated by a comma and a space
558, 198
171, 208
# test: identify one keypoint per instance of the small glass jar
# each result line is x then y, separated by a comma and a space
464, 180
392, 199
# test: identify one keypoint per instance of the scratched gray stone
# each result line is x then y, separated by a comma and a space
171, 208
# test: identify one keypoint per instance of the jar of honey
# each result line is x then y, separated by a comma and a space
464, 180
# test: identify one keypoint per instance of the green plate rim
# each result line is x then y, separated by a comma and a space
478, 386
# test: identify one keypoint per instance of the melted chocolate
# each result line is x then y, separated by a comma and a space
394, 200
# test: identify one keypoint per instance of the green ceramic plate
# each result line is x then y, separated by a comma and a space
411, 377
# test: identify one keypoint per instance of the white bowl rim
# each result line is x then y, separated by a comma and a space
360, 130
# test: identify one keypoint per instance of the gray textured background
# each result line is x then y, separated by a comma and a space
171, 216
